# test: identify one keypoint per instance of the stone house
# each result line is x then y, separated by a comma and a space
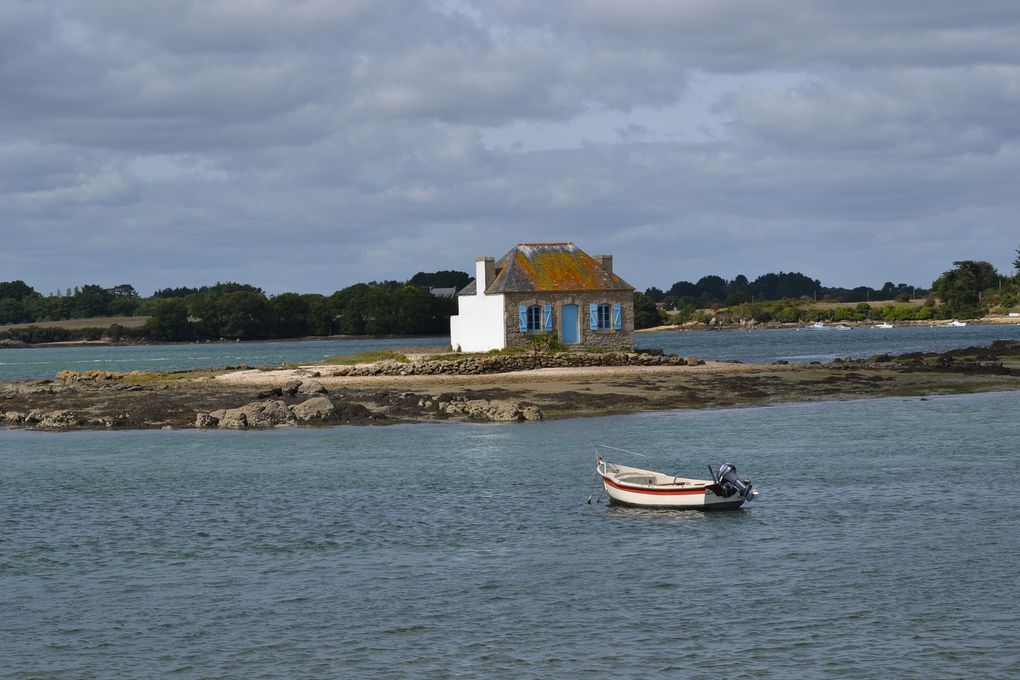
544, 288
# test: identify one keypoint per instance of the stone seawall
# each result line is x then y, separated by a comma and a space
508, 363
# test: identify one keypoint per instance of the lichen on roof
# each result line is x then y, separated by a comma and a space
532, 267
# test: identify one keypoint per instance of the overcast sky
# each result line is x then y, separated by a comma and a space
305, 145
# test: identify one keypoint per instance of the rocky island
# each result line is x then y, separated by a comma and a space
518, 387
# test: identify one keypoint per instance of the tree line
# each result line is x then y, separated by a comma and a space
244, 312
712, 289
970, 289
236, 311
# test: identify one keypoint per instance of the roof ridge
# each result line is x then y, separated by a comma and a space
548, 243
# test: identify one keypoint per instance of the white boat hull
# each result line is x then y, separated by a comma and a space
692, 499
647, 489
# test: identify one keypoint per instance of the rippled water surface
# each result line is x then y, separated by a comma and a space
43, 362
885, 543
801, 345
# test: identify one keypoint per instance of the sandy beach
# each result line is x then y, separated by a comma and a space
322, 395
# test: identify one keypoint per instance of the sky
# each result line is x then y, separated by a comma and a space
307, 145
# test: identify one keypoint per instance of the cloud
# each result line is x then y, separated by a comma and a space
307, 145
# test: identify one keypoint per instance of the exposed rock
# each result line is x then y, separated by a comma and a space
257, 414
53, 420
351, 412
533, 413
311, 387
316, 408
508, 363
87, 376
496, 410
206, 420
272, 392
291, 387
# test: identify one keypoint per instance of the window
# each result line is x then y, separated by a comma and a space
534, 318
606, 317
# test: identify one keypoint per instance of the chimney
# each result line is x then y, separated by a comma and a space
485, 272
607, 263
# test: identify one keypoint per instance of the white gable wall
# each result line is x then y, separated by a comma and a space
480, 324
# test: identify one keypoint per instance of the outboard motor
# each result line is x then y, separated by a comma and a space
727, 478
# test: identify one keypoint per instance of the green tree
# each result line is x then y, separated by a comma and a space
712, 288
92, 300
246, 315
18, 302
321, 314
960, 288
125, 300
290, 316
351, 305
646, 315
169, 321
414, 311
441, 279
1016, 262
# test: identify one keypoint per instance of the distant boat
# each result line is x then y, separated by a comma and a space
885, 324
956, 324
820, 326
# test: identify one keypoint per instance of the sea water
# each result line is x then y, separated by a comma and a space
885, 543
795, 345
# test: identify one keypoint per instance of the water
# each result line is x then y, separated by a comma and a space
798, 345
759, 346
43, 362
884, 543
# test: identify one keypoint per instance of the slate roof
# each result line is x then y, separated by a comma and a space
535, 267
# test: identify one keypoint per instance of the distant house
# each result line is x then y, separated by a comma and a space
542, 288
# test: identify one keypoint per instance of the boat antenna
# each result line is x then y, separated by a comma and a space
605, 446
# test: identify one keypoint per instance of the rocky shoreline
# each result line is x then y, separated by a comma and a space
498, 388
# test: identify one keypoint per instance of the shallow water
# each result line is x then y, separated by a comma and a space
43, 362
801, 345
758, 346
884, 543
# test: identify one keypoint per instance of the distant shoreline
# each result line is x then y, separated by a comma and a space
680, 328
7, 344
776, 325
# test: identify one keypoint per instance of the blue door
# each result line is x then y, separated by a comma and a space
569, 332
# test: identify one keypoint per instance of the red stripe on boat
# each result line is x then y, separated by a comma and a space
655, 492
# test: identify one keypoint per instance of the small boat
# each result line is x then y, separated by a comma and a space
818, 326
885, 324
956, 324
842, 327
633, 486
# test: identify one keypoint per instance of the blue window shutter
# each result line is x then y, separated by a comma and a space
594, 320
522, 315
547, 319
617, 317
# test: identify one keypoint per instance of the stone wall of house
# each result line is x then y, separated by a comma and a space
611, 339
508, 363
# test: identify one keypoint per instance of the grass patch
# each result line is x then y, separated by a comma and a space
366, 358
78, 324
